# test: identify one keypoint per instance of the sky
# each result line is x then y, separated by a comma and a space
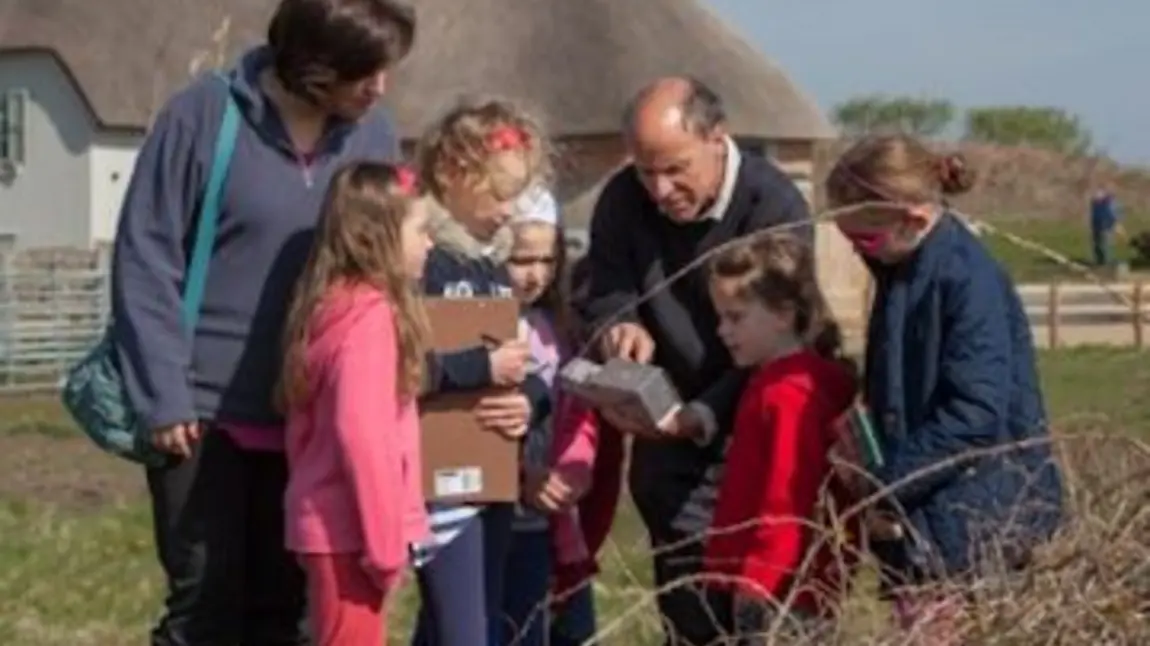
1091, 58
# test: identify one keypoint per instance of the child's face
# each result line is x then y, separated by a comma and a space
887, 233
531, 264
415, 240
752, 332
484, 208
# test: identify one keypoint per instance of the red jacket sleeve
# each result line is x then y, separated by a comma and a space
789, 484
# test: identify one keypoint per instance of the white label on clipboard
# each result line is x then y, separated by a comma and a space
464, 481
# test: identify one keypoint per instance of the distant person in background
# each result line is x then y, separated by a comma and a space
1105, 223
308, 104
687, 190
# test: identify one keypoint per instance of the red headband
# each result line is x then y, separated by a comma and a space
506, 138
406, 180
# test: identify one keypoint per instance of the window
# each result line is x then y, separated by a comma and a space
12, 126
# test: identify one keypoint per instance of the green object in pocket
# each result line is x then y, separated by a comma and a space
861, 428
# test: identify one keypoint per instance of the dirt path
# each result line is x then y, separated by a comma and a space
65, 471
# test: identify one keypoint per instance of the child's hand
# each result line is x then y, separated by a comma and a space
509, 363
882, 526
382, 579
550, 491
506, 414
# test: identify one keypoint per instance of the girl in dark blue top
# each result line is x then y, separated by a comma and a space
950, 377
475, 162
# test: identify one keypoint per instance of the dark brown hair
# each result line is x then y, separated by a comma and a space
778, 271
318, 44
556, 299
358, 240
896, 168
458, 147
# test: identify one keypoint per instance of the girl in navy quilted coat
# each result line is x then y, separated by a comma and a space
950, 381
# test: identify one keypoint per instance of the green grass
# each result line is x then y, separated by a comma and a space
88, 578
1067, 237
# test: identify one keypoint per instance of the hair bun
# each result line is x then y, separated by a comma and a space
955, 175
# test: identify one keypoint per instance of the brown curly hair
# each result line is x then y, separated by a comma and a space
358, 240
778, 271
463, 146
896, 168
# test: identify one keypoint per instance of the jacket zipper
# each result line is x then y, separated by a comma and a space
306, 162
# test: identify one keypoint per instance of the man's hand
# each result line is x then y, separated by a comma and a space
507, 414
509, 363
628, 341
177, 439
682, 423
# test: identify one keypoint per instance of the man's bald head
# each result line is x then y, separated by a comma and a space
675, 131
674, 102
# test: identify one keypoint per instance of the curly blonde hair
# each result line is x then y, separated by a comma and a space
463, 147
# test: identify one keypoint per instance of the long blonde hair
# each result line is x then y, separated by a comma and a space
358, 240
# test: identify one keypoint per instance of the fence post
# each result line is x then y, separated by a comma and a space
7, 316
1053, 314
104, 280
1136, 306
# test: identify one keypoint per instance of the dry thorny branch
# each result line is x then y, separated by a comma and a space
1091, 584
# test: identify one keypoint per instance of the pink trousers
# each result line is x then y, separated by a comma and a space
345, 603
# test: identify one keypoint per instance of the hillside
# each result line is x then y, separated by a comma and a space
1027, 183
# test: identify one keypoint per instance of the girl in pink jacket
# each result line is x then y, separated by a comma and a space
354, 505
558, 451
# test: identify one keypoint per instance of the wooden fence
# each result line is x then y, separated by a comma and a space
1061, 314
1074, 314
52, 310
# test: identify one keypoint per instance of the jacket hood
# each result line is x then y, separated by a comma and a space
448, 234
338, 312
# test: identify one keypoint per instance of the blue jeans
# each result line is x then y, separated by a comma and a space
525, 617
460, 588
1102, 244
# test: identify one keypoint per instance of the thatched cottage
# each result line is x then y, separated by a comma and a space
79, 81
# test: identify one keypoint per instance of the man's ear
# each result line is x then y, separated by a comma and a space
718, 134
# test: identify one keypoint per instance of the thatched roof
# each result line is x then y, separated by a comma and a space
127, 56
577, 62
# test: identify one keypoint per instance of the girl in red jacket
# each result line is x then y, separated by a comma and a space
767, 542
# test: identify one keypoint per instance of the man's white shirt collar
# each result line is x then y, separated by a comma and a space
727, 189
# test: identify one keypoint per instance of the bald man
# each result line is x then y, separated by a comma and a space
688, 189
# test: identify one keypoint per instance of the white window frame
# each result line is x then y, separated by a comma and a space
14, 127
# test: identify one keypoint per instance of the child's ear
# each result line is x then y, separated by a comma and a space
918, 218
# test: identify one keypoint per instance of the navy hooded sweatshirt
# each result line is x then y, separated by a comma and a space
269, 207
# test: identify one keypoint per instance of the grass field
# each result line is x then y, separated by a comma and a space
76, 563
1067, 237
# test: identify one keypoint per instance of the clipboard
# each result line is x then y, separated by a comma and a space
463, 462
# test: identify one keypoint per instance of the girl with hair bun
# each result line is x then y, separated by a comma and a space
950, 380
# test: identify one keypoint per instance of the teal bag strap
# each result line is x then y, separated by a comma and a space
197, 273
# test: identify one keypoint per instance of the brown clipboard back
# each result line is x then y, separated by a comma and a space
462, 462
